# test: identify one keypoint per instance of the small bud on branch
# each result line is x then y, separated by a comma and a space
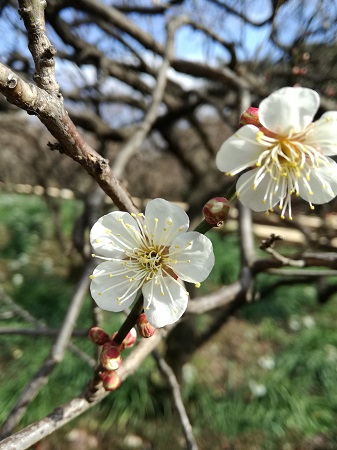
216, 210
250, 117
98, 336
111, 357
145, 329
111, 380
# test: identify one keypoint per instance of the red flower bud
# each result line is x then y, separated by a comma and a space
110, 356
216, 210
145, 329
98, 336
250, 117
130, 339
111, 380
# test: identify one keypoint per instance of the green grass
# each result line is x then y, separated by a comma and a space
299, 401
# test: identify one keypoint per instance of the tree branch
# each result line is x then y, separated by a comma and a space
56, 355
138, 137
77, 406
32, 13
52, 114
172, 381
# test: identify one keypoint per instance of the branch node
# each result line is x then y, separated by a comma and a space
269, 242
55, 146
57, 414
12, 81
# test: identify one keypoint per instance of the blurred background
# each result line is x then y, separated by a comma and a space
265, 378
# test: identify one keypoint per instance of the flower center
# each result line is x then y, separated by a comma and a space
289, 154
150, 259
287, 162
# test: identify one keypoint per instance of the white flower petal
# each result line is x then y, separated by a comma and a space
239, 151
144, 254
161, 310
103, 235
195, 260
106, 289
330, 115
288, 109
262, 198
164, 219
324, 175
323, 134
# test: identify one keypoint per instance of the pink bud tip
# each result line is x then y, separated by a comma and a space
250, 117
110, 356
111, 380
130, 339
216, 210
98, 336
145, 329
113, 335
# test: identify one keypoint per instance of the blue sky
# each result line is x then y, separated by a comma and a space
250, 41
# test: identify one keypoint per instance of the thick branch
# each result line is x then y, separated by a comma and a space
32, 13
52, 114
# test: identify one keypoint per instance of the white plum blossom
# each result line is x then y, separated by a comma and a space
286, 154
150, 251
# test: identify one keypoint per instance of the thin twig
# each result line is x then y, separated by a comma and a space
303, 273
138, 137
172, 381
18, 310
268, 246
40, 325
246, 236
218, 299
46, 332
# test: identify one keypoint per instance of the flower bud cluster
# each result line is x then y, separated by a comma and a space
110, 357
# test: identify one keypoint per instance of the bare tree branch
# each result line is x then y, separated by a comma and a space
93, 395
41, 327
52, 115
138, 137
47, 332
32, 13
172, 381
